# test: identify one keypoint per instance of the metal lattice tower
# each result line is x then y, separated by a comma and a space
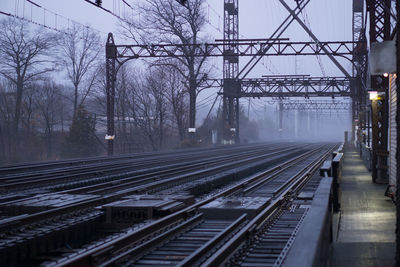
360, 109
380, 30
231, 86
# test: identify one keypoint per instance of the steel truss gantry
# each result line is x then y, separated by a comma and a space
297, 87
246, 47
315, 105
234, 83
117, 55
381, 29
360, 109
292, 86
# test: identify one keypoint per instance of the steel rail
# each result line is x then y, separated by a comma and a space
261, 182
85, 161
158, 239
139, 250
100, 200
220, 256
139, 177
5, 169
120, 244
140, 160
95, 171
179, 168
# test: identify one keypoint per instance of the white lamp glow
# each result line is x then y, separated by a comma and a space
373, 95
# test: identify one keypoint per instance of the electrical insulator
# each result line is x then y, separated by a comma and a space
99, 2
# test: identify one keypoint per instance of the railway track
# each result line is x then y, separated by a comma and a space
265, 240
119, 246
234, 176
45, 166
117, 167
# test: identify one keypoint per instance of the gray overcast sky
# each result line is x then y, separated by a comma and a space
329, 19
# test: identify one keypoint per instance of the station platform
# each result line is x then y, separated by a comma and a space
364, 229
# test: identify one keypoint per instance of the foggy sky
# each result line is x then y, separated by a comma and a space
330, 20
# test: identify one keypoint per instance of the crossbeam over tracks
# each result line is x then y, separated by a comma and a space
247, 48
290, 86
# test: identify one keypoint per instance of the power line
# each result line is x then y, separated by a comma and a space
109, 11
127, 4
307, 22
212, 106
56, 22
32, 22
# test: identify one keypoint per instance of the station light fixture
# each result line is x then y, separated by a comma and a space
110, 137
374, 95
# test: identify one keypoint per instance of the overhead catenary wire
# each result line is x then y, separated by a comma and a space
212, 106
307, 22
33, 22
108, 11
50, 24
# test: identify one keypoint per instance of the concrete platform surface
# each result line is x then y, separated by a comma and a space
364, 230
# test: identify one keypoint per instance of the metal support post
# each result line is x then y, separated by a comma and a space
369, 127
353, 121
280, 118
111, 53
237, 113
231, 85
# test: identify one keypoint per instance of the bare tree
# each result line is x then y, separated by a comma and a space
79, 55
177, 98
166, 21
124, 108
49, 104
145, 116
7, 103
156, 87
150, 108
22, 58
